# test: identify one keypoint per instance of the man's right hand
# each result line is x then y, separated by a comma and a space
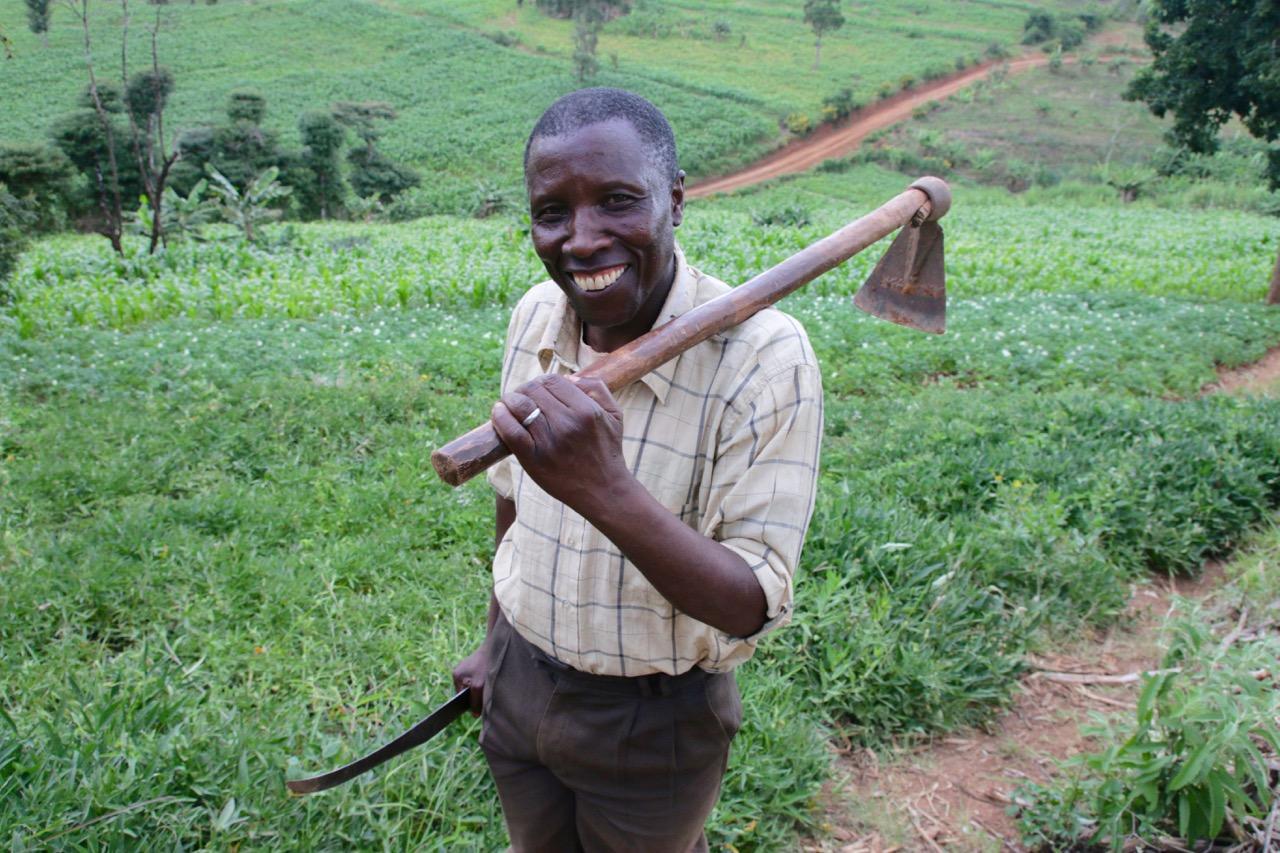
470, 672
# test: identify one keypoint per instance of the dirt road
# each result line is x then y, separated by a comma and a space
840, 140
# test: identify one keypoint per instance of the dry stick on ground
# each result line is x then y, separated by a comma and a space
1101, 677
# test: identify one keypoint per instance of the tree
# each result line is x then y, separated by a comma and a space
38, 18
240, 148
42, 178
373, 174
1214, 59
319, 184
587, 23
117, 138
824, 17
14, 221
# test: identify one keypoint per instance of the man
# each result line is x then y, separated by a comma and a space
644, 544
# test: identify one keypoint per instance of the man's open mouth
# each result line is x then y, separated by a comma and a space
598, 280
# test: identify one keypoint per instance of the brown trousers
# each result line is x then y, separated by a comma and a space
602, 763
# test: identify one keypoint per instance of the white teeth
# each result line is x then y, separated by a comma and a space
599, 281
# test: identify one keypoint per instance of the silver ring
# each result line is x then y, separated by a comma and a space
531, 417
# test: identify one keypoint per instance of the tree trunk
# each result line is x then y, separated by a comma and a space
1273, 295
817, 52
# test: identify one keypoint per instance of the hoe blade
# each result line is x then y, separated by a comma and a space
908, 286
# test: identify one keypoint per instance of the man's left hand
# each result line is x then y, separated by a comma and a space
573, 447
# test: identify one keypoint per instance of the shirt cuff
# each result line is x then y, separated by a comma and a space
501, 478
775, 582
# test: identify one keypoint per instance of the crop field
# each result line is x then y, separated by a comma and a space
466, 101
225, 560
442, 261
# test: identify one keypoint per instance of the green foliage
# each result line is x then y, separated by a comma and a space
318, 182
258, 510
250, 208
247, 105
38, 13
840, 105
42, 176
1192, 756
1212, 61
822, 16
146, 94
373, 174
16, 221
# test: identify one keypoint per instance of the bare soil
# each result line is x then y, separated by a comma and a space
1261, 377
842, 139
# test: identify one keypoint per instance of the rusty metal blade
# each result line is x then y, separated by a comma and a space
908, 285
423, 731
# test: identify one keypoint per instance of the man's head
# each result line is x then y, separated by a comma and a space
605, 194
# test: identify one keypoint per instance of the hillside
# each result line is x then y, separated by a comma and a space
469, 79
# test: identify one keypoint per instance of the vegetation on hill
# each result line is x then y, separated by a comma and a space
469, 79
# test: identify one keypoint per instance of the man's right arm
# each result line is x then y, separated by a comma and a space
471, 671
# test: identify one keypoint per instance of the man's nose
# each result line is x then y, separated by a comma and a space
586, 235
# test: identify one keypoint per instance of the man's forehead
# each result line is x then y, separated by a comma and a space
595, 142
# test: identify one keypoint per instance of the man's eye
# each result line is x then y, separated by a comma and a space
549, 214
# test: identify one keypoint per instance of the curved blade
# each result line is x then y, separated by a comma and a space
425, 729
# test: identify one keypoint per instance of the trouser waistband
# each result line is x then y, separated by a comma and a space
654, 684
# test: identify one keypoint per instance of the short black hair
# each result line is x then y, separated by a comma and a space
586, 107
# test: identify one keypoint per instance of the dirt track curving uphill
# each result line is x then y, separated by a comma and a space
839, 140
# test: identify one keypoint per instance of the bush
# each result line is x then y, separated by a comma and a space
790, 216
799, 123
16, 221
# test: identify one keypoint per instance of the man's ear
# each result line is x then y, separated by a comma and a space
677, 199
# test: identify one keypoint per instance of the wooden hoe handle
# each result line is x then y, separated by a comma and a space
926, 199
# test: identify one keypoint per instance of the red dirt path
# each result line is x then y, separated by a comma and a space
840, 140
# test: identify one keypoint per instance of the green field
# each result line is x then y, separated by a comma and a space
467, 102
224, 557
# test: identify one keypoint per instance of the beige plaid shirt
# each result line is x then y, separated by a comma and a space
725, 436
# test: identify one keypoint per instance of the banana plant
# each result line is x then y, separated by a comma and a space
249, 208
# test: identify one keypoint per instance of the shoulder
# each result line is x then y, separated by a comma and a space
533, 311
769, 343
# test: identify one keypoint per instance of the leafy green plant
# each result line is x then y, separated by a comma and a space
249, 209
1193, 757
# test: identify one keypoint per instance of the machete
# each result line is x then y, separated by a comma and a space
427, 728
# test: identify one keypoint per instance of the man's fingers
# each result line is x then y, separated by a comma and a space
597, 390
509, 428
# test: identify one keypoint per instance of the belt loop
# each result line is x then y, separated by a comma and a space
645, 683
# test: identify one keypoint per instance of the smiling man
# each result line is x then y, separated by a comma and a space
644, 543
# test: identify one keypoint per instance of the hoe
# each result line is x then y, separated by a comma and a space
906, 287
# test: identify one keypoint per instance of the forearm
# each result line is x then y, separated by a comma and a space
698, 575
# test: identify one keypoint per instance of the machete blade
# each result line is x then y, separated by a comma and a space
425, 729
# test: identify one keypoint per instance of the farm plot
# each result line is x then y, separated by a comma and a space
224, 557
470, 79
994, 246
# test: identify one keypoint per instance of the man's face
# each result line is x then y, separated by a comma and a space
602, 223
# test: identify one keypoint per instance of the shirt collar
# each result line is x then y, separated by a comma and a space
564, 330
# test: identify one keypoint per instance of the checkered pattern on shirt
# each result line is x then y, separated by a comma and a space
726, 436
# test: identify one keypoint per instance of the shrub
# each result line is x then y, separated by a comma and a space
799, 123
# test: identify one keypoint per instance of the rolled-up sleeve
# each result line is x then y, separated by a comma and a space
763, 485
